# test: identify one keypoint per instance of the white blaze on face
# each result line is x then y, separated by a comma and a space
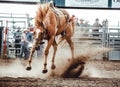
37, 32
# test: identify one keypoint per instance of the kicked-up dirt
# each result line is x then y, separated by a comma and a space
96, 73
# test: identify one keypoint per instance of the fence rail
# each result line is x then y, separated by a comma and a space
109, 37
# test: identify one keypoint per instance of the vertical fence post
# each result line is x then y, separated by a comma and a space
1, 41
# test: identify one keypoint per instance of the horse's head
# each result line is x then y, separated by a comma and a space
38, 37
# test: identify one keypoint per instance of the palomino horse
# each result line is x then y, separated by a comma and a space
50, 22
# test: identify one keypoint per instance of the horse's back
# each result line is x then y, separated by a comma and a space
65, 12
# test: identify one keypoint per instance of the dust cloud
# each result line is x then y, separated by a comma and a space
17, 68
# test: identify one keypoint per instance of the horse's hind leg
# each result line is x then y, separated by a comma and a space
71, 44
53, 58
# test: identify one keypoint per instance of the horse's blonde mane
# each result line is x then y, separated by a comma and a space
41, 13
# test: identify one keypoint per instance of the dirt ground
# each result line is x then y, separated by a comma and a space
59, 82
97, 73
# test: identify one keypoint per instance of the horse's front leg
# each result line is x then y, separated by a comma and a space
50, 42
53, 58
30, 59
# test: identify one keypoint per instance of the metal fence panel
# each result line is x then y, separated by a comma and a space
1, 41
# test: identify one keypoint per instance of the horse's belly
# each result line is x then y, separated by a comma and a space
60, 30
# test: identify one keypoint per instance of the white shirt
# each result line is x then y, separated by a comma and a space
24, 38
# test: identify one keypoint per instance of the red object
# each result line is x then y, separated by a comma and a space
5, 43
72, 18
6, 30
31, 29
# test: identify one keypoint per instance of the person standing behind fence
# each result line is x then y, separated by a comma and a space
82, 25
24, 45
87, 28
72, 18
96, 27
29, 36
17, 45
77, 22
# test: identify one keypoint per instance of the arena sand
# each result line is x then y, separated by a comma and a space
17, 68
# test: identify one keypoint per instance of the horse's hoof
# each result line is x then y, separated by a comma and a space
45, 71
53, 66
28, 68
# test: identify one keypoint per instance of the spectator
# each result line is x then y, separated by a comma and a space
17, 33
87, 27
72, 18
105, 23
82, 25
29, 36
24, 45
105, 26
77, 23
96, 27
17, 45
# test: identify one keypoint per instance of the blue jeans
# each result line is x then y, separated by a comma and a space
24, 50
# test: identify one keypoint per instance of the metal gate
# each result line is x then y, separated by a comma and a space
13, 45
96, 38
14, 22
114, 42
90, 38
106, 37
